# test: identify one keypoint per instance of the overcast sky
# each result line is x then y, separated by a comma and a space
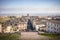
33, 7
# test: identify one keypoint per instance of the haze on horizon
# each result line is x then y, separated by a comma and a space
33, 7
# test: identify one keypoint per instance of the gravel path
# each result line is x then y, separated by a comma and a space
32, 36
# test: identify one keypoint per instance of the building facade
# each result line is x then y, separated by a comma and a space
53, 26
22, 26
0, 28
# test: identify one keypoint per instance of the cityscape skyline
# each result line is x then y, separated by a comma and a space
33, 7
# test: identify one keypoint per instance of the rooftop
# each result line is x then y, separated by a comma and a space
55, 21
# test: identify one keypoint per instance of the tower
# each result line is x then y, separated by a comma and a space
27, 15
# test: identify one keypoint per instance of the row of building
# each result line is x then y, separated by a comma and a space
20, 24
53, 26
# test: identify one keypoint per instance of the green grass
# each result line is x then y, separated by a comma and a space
52, 36
9, 36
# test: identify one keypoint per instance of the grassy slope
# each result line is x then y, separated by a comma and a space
52, 36
9, 36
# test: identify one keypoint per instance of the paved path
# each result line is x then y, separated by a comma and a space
32, 36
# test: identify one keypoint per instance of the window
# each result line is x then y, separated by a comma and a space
54, 28
57, 25
48, 26
57, 29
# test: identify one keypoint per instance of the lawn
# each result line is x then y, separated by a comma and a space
13, 36
52, 36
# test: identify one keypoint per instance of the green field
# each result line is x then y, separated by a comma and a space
52, 36
14, 36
